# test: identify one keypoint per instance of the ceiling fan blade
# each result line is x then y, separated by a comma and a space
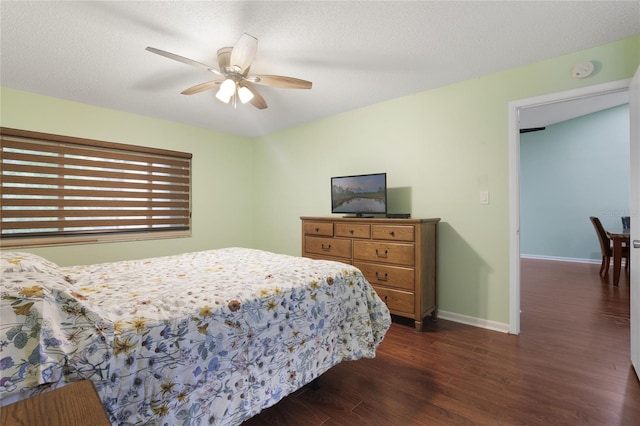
201, 87
243, 53
224, 56
280, 81
183, 60
257, 101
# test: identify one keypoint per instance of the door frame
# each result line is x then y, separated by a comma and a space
514, 178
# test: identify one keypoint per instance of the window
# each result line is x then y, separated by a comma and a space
58, 189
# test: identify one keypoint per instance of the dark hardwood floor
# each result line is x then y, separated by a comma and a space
570, 365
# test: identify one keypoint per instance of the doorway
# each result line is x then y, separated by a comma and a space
516, 109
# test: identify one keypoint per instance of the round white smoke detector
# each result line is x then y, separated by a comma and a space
582, 70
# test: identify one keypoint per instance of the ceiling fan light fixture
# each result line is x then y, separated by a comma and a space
236, 83
226, 91
245, 94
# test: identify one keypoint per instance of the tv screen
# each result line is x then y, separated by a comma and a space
359, 195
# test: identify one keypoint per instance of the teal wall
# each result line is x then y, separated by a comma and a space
439, 147
568, 172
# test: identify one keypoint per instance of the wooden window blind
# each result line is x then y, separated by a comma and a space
59, 186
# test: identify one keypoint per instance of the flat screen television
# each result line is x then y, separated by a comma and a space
359, 195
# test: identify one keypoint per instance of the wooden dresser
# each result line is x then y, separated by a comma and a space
397, 256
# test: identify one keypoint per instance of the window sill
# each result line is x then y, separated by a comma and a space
86, 239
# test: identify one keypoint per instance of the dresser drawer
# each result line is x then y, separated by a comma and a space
393, 232
390, 276
401, 254
324, 229
321, 257
356, 230
397, 301
328, 246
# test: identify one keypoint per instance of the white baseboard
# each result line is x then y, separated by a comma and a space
559, 259
476, 322
499, 326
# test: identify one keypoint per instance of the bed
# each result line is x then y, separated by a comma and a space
210, 337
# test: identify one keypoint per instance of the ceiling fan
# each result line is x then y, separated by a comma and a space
234, 82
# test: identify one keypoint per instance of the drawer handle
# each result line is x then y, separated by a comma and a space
392, 233
327, 248
317, 229
351, 231
380, 277
382, 254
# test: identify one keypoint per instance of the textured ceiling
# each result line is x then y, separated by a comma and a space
355, 53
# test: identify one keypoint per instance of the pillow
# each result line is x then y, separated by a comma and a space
15, 261
26, 285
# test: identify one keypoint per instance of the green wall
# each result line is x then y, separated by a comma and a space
222, 176
568, 172
439, 148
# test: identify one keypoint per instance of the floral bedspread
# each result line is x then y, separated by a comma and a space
209, 337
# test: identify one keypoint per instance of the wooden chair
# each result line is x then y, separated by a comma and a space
605, 247
626, 222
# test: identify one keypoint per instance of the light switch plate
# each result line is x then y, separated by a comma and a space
484, 197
